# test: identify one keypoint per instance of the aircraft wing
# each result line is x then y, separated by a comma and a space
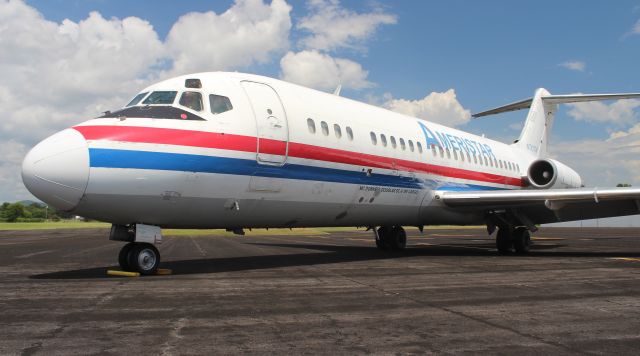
551, 205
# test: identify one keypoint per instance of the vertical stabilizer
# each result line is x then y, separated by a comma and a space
542, 109
537, 126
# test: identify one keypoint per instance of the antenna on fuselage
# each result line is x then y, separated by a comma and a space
338, 89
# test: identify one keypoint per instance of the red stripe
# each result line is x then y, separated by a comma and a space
232, 142
169, 137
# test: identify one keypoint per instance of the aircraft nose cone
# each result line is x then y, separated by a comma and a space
56, 170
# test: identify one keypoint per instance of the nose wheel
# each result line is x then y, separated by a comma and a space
139, 257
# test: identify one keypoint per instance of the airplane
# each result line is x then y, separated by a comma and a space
222, 150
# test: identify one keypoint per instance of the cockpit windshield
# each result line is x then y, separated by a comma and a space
191, 100
161, 98
161, 104
137, 99
153, 112
219, 104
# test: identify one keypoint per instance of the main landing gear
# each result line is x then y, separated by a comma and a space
518, 239
391, 238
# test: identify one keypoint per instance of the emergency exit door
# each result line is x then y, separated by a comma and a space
271, 123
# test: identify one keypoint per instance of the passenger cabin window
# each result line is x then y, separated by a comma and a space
349, 133
325, 128
311, 125
383, 139
219, 104
402, 144
411, 146
393, 141
419, 146
374, 139
337, 131
161, 98
191, 100
137, 99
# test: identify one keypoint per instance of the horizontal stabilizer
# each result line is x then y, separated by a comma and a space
564, 99
518, 105
556, 99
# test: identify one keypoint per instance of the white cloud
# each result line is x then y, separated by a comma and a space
321, 71
578, 66
55, 75
603, 163
517, 126
620, 112
11, 187
635, 30
332, 26
442, 108
247, 33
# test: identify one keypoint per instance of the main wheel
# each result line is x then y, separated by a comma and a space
504, 240
144, 258
379, 243
398, 238
521, 240
123, 256
383, 239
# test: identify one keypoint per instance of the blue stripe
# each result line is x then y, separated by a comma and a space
112, 158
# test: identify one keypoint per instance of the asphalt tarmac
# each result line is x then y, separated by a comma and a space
578, 292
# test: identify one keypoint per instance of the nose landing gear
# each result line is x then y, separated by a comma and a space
139, 257
139, 254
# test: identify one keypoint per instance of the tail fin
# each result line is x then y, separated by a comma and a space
543, 106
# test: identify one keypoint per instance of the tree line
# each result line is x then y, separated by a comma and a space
33, 212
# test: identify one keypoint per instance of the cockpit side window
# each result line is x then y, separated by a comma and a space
219, 104
137, 99
161, 98
191, 100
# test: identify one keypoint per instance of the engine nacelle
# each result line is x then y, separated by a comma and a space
549, 173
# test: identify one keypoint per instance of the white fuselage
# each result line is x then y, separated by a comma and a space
283, 156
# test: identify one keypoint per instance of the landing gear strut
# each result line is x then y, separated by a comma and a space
139, 257
391, 238
517, 238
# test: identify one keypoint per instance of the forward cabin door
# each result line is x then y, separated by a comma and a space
271, 122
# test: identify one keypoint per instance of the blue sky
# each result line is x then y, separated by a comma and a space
490, 53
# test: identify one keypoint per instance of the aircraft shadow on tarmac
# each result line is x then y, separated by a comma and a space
327, 254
